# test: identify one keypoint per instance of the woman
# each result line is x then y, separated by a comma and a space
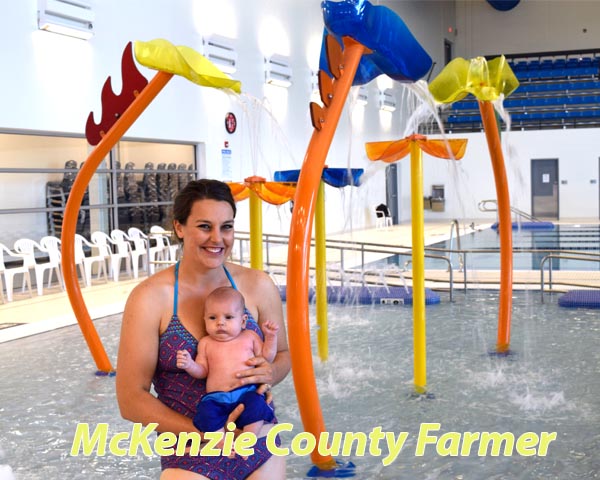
164, 314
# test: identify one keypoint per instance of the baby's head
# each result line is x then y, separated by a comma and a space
224, 313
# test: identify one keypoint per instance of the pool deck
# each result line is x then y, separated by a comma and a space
27, 315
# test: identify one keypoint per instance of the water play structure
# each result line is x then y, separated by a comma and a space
359, 26
259, 190
392, 151
360, 42
338, 178
118, 114
488, 81
358, 38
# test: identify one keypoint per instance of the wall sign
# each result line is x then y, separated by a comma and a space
230, 122
226, 166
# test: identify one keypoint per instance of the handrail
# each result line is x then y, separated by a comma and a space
350, 246
443, 254
583, 257
482, 205
455, 225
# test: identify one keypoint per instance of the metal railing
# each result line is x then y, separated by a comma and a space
587, 257
363, 253
484, 207
357, 258
455, 227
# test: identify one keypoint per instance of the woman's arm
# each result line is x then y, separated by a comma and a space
137, 359
262, 297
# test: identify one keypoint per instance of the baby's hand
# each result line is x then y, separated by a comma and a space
270, 328
184, 359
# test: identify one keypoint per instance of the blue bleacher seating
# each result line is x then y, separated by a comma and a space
562, 92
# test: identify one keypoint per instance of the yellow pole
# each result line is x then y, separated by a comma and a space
256, 234
418, 261
321, 264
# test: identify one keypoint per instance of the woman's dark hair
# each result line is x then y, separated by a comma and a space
203, 189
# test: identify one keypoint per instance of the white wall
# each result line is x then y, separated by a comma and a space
471, 180
55, 81
532, 26
51, 83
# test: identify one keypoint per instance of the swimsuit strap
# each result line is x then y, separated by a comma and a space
230, 277
177, 285
176, 289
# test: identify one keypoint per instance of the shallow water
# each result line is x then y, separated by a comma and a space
570, 239
550, 383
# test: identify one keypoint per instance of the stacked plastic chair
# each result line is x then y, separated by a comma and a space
150, 194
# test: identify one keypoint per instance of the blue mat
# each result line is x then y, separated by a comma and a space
580, 299
370, 295
529, 226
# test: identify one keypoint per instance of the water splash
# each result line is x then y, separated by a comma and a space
540, 402
518, 186
263, 129
426, 112
6, 472
422, 108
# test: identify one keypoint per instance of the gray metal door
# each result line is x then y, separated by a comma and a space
391, 191
544, 188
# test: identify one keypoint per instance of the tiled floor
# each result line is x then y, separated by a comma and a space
27, 316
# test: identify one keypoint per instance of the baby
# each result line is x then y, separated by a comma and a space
221, 354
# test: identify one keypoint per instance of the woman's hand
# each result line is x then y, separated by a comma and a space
261, 374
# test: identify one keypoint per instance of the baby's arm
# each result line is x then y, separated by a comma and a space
198, 368
269, 349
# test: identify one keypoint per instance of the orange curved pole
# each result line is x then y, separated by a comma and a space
80, 184
299, 253
488, 118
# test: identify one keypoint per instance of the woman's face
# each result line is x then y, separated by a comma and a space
208, 233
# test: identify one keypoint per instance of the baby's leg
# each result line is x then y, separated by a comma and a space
254, 427
222, 441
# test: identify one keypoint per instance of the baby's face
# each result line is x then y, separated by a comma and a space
224, 320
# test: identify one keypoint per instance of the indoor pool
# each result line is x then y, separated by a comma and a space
483, 246
551, 383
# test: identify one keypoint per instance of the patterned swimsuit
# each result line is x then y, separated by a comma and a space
181, 392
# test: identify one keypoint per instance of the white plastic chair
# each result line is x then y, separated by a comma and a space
27, 248
105, 244
51, 245
162, 238
136, 251
383, 217
9, 272
140, 246
155, 253
86, 263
